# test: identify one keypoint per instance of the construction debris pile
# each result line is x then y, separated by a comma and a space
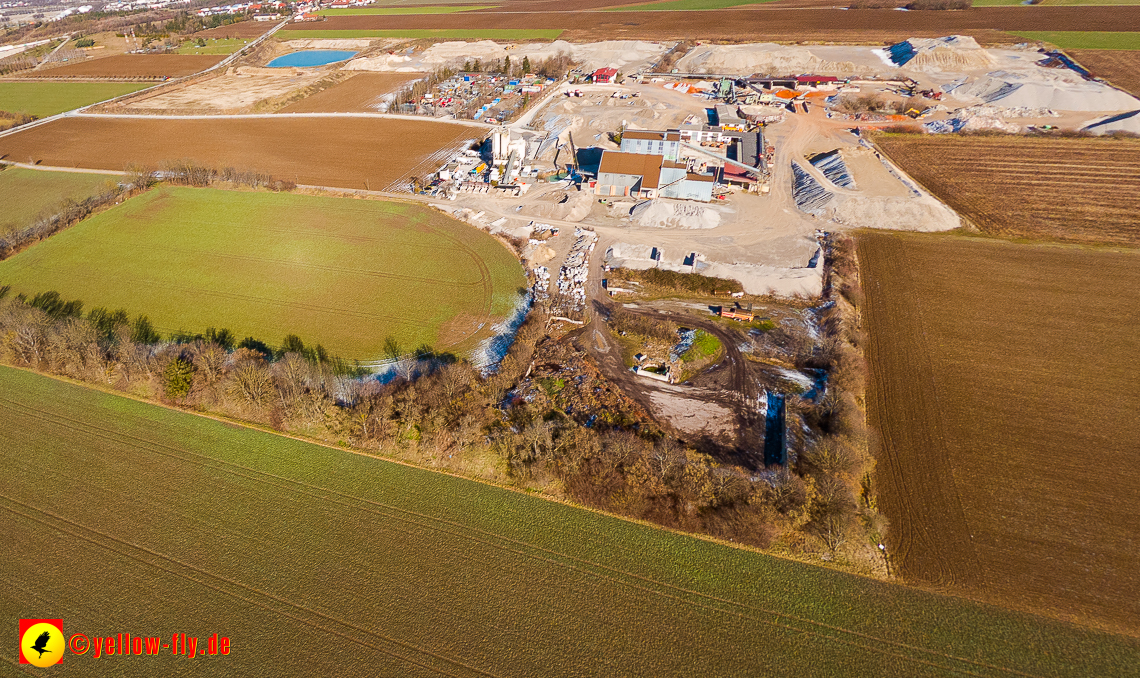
575, 271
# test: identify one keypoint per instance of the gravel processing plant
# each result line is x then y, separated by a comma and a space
816, 322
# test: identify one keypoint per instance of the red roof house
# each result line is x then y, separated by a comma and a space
605, 75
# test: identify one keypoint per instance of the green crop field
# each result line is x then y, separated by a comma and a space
428, 33
123, 517
1084, 39
687, 5
42, 99
214, 46
26, 193
361, 11
344, 273
997, 3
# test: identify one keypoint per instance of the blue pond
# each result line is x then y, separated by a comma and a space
311, 57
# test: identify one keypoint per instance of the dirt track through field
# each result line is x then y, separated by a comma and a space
1003, 385
356, 153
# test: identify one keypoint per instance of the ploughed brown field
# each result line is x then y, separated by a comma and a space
1075, 190
1004, 386
760, 22
358, 153
134, 66
358, 94
1121, 67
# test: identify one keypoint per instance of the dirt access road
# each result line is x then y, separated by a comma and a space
705, 411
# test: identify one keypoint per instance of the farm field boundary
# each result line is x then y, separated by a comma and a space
343, 273
422, 573
1075, 190
1002, 386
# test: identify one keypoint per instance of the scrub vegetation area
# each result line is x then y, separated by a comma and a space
417, 573
1002, 385
546, 419
212, 45
346, 273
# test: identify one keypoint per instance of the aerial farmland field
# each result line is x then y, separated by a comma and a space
42, 99
133, 66
26, 193
1085, 39
124, 517
1120, 67
340, 272
358, 153
747, 24
1075, 190
1004, 389
358, 94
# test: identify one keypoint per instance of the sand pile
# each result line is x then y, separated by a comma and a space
766, 58
774, 280
397, 63
896, 214
1043, 89
762, 112
575, 208
624, 55
332, 43
450, 52
955, 52
756, 278
662, 214
1125, 122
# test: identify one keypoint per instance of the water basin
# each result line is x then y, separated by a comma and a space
311, 57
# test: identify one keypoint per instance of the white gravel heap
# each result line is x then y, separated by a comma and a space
1125, 122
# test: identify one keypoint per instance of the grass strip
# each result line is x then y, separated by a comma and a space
1085, 39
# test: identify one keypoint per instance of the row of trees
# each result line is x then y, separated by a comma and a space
553, 67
